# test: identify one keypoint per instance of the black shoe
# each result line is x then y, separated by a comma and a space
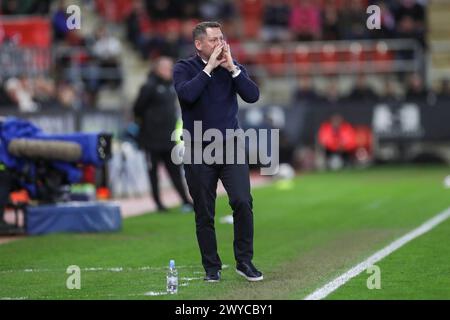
212, 276
248, 271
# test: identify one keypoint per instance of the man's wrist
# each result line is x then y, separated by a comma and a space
232, 68
235, 71
208, 70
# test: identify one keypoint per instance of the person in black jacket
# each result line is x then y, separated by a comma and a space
156, 114
207, 86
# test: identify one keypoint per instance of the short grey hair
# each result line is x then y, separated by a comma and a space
200, 29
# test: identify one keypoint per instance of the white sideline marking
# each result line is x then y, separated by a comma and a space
155, 293
190, 279
111, 269
353, 272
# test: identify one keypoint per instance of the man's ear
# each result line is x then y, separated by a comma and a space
198, 45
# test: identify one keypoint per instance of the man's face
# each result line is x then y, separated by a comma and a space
164, 69
206, 44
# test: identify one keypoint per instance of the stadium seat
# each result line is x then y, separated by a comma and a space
382, 57
251, 13
116, 10
274, 60
302, 59
328, 59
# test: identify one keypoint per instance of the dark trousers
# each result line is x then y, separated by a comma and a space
174, 171
202, 182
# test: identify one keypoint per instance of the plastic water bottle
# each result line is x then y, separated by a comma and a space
172, 278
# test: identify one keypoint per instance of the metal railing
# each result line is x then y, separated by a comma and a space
18, 61
334, 57
289, 59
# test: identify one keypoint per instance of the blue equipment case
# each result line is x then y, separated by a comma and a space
73, 216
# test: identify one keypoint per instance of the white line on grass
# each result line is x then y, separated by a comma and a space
110, 269
353, 272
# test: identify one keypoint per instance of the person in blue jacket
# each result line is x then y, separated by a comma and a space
207, 86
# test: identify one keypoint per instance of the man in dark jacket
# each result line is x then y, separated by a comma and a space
156, 114
207, 86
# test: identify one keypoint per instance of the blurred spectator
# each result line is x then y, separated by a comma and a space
305, 20
415, 88
45, 92
444, 92
388, 23
59, 19
223, 10
330, 25
389, 94
5, 99
413, 10
276, 21
162, 9
338, 138
188, 9
107, 50
352, 20
304, 93
410, 18
407, 29
66, 95
133, 23
332, 95
41, 7
20, 92
10, 7
185, 41
171, 45
361, 91
22, 7
140, 31
156, 114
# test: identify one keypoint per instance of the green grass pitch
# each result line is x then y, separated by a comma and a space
305, 236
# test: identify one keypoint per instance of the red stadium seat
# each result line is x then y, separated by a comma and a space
382, 57
354, 57
171, 25
329, 59
302, 59
274, 60
116, 10
251, 13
